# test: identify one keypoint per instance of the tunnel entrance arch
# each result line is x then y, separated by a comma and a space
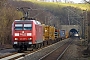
72, 32
76, 28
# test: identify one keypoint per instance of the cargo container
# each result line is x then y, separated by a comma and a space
67, 34
48, 32
43, 31
62, 34
57, 33
51, 32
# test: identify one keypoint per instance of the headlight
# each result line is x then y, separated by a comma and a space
29, 34
16, 38
16, 34
30, 43
15, 42
29, 38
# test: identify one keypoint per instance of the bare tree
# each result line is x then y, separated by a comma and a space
53, 0
56, 0
86, 1
2, 2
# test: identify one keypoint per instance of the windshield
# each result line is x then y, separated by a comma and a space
18, 26
27, 26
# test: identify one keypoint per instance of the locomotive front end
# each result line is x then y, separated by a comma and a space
22, 34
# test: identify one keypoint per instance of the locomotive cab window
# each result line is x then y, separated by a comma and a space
18, 26
27, 26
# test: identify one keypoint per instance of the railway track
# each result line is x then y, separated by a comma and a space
21, 56
11, 56
16, 55
8, 55
57, 53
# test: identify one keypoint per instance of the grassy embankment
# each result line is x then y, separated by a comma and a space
56, 5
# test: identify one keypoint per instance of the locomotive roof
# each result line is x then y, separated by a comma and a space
35, 21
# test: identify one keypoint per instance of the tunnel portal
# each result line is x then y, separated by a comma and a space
72, 32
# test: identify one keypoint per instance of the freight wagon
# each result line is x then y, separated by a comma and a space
48, 33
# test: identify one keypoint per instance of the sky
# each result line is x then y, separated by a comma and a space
76, 1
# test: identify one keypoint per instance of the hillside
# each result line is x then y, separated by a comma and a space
48, 12
61, 9
56, 14
56, 4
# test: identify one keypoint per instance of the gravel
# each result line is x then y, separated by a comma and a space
42, 52
74, 52
6, 52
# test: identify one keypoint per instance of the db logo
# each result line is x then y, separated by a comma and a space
22, 34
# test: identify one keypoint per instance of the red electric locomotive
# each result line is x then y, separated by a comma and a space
26, 34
